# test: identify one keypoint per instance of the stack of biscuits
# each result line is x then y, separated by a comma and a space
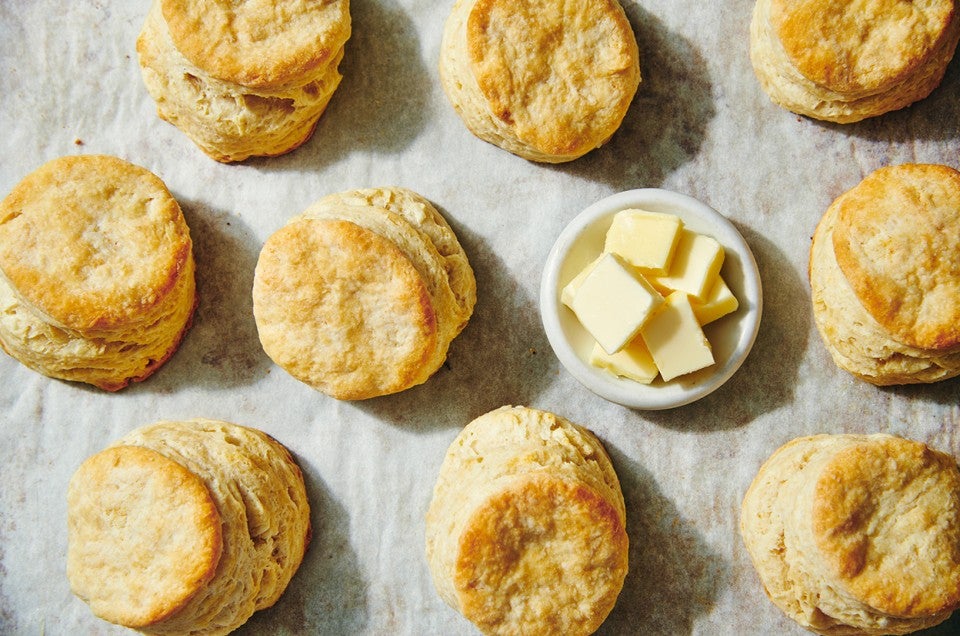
885, 277
243, 79
526, 532
844, 61
857, 534
186, 527
546, 80
96, 271
362, 293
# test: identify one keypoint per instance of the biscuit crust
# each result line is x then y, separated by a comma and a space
526, 529
857, 534
885, 288
544, 79
846, 61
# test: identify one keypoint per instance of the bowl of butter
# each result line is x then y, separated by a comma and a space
651, 299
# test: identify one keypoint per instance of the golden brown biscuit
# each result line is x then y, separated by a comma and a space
846, 61
544, 79
362, 293
247, 79
884, 278
526, 531
857, 534
96, 271
186, 527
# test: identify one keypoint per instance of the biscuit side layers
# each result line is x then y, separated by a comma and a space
526, 529
96, 271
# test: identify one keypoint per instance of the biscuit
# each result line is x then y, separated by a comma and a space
884, 279
186, 527
544, 79
526, 531
242, 80
362, 293
857, 534
96, 271
846, 61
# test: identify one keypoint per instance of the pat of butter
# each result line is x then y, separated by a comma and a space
695, 266
719, 302
570, 289
612, 303
675, 339
646, 240
633, 361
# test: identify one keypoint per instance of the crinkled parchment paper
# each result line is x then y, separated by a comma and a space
700, 125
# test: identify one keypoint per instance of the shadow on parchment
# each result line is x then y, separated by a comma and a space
674, 576
502, 357
667, 121
221, 349
328, 594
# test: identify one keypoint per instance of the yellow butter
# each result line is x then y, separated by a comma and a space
695, 266
719, 302
646, 240
570, 289
613, 302
675, 340
633, 361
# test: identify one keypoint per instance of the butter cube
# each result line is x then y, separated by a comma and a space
570, 289
675, 339
695, 266
613, 302
646, 240
633, 361
719, 302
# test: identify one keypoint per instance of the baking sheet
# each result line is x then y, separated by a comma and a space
700, 125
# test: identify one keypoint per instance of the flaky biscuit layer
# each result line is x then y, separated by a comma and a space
261, 499
362, 293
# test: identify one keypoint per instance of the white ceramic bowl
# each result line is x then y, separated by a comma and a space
731, 337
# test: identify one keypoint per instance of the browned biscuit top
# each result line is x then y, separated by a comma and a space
258, 44
342, 308
92, 241
561, 73
886, 518
863, 46
547, 555
896, 240
144, 535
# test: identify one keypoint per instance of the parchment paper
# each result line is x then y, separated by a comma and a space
700, 125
